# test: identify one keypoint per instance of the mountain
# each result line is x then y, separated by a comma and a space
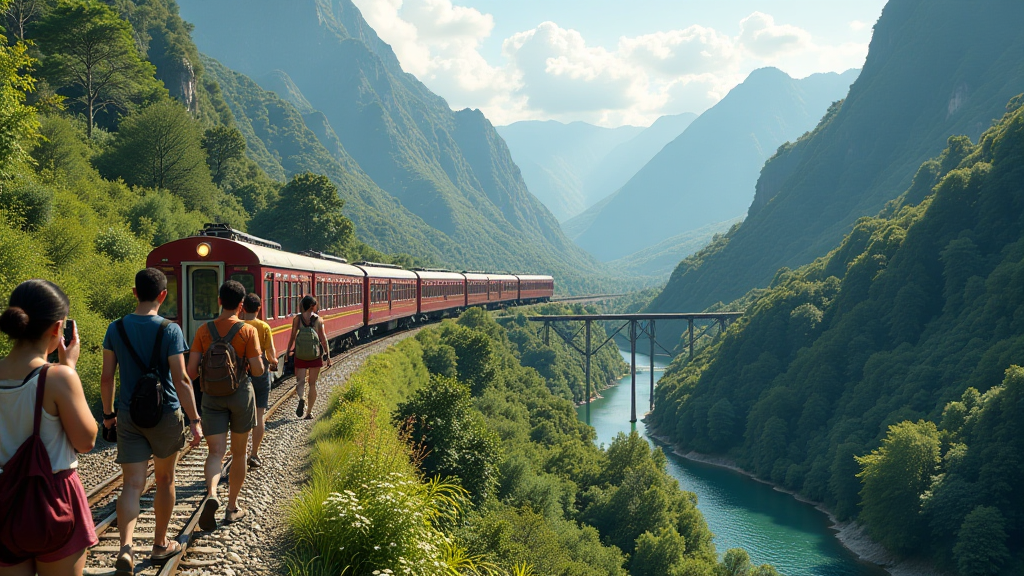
450, 169
707, 174
880, 378
659, 260
934, 69
556, 159
619, 165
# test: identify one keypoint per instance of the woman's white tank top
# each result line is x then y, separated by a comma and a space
17, 407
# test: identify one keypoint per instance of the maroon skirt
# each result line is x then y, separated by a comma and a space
318, 363
84, 535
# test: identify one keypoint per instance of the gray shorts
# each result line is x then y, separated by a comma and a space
236, 412
136, 444
261, 386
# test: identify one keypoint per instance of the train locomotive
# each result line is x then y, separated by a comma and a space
355, 300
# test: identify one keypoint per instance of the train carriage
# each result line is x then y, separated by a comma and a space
477, 288
390, 295
440, 292
535, 288
198, 265
502, 288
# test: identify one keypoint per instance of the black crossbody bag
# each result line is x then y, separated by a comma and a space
146, 405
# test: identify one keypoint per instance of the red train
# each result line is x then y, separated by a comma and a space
355, 300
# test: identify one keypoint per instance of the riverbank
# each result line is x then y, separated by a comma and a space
850, 534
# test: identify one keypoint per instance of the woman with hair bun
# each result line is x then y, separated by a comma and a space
34, 321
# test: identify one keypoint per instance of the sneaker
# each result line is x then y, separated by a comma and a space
233, 515
254, 462
125, 565
301, 408
208, 519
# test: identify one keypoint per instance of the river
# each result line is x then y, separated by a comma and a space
772, 526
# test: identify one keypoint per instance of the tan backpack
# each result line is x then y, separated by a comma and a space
221, 372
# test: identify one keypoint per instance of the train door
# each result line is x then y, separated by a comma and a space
199, 295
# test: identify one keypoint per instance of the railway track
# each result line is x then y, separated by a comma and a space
190, 485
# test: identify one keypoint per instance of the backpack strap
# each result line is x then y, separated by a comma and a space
233, 332
40, 389
127, 344
214, 333
154, 359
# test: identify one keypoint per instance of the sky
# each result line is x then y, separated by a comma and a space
613, 63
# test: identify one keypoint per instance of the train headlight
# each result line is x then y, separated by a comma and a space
203, 249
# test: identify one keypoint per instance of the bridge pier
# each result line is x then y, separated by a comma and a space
632, 370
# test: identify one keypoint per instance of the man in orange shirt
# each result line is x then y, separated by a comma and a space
235, 412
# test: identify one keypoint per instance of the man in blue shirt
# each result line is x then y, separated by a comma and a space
162, 442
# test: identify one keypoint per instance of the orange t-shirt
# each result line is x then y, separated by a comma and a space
246, 342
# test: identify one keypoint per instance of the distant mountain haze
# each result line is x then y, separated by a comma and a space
557, 159
935, 68
450, 169
708, 173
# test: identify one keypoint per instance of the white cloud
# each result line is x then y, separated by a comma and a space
857, 25
763, 38
550, 72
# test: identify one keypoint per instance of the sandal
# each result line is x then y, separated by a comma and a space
233, 515
208, 518
308, 416
162, 553
125, 565
254, 462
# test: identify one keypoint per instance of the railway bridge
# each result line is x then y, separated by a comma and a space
639, 326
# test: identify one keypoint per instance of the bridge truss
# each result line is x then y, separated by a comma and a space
639, 326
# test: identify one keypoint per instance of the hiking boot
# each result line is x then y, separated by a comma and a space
233, 515
208, 518
301, 408
125, 565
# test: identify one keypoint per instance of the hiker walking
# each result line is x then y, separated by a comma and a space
260, 384
44, 421
308, 342
222, 350
148, 352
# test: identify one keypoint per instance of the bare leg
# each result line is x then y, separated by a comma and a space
128, 502
237, 476
258, 431
300, 382
314, 373
218, 445
163, 501
26, 568
72, 565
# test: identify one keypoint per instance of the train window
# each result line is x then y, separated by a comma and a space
170, 305
293, 302
268, 299
246, 280
204, 294
280, 299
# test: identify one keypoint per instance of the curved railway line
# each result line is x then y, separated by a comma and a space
190, 484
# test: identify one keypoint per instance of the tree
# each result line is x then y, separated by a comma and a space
981, 546
89, 48
307, 216
159, 147
222, 144
658, 555
20, 12
18, 122
894, 477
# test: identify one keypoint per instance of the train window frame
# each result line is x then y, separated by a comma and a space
268, 299
172, 302
246, 279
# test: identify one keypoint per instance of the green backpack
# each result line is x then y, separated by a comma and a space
307, 341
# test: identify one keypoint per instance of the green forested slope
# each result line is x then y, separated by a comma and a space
918, 307
449, 168
934, 68
280, 142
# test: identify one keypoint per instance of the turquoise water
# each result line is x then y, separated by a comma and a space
773, 527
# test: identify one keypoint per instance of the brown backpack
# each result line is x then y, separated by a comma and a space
221, 371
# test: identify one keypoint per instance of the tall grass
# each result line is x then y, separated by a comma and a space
366, 509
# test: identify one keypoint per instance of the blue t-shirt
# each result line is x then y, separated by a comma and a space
141, 331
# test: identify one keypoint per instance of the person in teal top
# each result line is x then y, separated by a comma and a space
162, 442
